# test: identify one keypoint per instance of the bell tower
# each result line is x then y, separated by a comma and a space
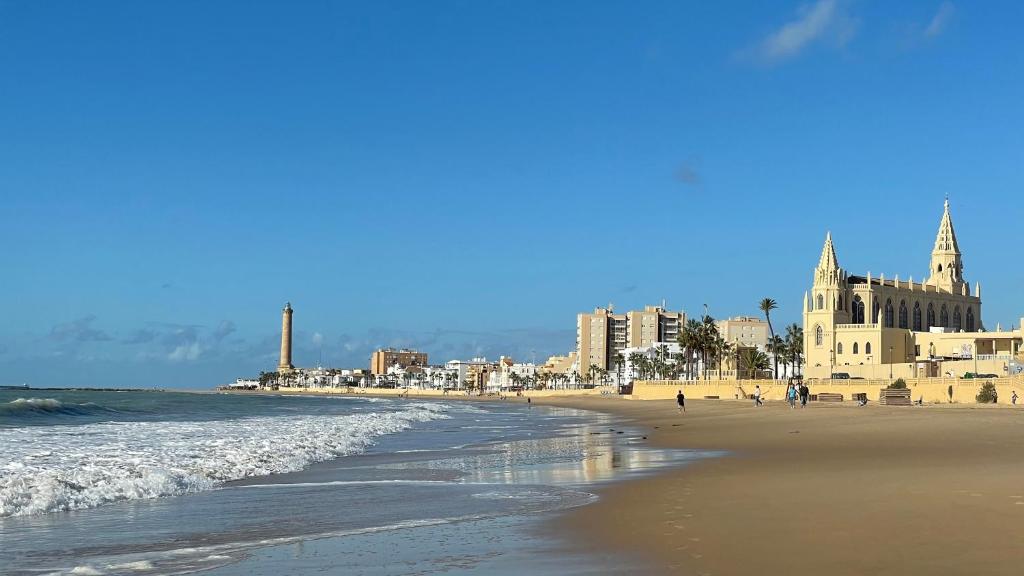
824, 307
947, 268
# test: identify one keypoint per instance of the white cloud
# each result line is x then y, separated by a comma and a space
825, 20
185, 352
940, 20
318, 338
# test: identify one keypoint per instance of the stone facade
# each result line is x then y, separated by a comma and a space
856, 324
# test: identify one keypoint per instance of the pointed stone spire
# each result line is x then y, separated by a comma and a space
828, 260
946, 266
945, 240
977, 289
805, 302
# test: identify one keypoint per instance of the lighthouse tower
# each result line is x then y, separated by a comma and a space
285, 364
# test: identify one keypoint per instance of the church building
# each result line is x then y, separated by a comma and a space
869, 327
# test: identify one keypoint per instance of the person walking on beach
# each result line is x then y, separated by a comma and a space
791, 395
804, 393
681, 401
1013, 399
757, 395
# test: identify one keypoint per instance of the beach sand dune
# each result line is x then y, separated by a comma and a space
826, 490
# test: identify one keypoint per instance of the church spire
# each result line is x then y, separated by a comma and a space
945, 240
828, 259
946, 266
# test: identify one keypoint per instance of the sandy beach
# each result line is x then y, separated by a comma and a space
830, 489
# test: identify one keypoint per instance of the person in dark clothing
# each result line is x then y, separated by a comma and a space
681, 400
804, 393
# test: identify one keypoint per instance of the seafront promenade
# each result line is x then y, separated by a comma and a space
927, 390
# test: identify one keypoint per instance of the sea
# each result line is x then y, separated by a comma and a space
146, 482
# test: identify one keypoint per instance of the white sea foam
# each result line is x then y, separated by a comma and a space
54, 468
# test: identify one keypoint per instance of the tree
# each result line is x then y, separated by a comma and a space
987, 394
751, 361
766, 306
795, 344
619, 361
777, 347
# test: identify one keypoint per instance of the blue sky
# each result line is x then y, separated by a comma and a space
467, 176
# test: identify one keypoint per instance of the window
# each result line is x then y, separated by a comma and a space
867, 347
970, 319
956, 318
819, 335
903, 314
889, 316
944, 317
917, 316
839, 348
931, 315
854, 347
821, 302
857, 310
875, 309
917, 349
841, 303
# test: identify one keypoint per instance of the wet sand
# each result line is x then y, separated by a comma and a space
830, 489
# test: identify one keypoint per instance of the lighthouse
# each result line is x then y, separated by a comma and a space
285, 364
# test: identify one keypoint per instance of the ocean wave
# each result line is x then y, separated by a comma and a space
27, 407
61, 468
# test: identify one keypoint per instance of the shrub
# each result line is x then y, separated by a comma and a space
899, 384
987, 394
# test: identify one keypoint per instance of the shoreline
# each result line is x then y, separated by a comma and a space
829, 489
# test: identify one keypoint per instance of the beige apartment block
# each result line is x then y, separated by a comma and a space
603, 334
869, 326
386, 358
746, 331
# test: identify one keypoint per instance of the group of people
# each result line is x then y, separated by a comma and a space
793, 392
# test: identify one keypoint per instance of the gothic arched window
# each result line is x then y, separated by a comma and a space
931, 315
944, 317
821, 302
917, 316
875, 309
867, 347
839, 348
857, 310
840, 306
970, 319
956, 318
854, 347
903, 314
889, 315
819, 335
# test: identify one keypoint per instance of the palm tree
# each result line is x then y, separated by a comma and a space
777, 347
751, 360
795, 344
708, 335
619, 360
766, 306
